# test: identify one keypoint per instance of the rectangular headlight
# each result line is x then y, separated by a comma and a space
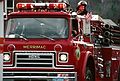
6, 57
63, 57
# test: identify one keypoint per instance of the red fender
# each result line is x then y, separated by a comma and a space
81, 65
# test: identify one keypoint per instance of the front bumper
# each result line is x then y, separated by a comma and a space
38, 66
39, 76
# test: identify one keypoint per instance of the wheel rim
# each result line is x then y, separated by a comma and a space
119, 76
89, 75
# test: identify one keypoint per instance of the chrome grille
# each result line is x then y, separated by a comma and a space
34, 59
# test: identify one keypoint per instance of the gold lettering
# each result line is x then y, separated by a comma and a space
26, 47
34, 47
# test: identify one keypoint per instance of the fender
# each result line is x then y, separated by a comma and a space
81, 66
119, 73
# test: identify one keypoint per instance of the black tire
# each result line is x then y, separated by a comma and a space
89, 74
119, 75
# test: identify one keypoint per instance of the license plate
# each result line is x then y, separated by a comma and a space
58, 79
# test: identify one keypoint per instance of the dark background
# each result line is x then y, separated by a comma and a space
108, 9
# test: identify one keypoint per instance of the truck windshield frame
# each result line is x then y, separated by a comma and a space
54, 28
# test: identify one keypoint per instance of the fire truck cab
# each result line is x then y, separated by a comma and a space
40, 45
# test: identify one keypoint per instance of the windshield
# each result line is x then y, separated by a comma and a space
37, 28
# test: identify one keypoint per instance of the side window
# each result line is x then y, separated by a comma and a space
5, 26
74, 27
10, 4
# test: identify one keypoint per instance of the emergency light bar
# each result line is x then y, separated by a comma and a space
29, 6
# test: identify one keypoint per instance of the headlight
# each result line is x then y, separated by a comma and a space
63, 57
6, 57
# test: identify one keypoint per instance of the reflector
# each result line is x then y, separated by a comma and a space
11, 47
20, 6
51, 6
29, 6
60, 6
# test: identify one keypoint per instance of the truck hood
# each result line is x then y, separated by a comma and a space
41, 45
36, 45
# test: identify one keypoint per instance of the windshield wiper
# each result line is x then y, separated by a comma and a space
23, 37
47, 37
20, 36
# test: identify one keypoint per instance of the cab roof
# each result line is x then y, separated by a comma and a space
39, 14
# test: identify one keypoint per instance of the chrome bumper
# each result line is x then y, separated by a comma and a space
41, 76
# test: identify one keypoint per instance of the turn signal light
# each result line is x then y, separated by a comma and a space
11, 47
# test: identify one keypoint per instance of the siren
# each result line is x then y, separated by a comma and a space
49, 6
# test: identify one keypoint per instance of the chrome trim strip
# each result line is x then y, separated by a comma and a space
36, 68
82, 42
38, 72
34, 63
101, 59
73, 75
113, 47
35, 77
114, 58
101, 65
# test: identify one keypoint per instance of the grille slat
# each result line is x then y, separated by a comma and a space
34, 59
34, 65
31, 59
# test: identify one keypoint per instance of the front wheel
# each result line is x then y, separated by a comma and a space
119, 75
90, 74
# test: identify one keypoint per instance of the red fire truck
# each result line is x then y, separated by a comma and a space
46, 42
